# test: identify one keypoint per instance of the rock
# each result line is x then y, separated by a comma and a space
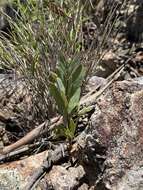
9, 179
133, 179
108, 64
83, 187
135, 22
61, 178
116, 132
14, 175
139, 80
94, 82
110, 155
16, 109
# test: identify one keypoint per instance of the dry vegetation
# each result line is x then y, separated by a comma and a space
54, 48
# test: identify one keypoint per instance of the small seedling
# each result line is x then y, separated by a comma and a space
65, 87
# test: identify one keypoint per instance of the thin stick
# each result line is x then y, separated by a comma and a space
53, 157
89, 99
35, 133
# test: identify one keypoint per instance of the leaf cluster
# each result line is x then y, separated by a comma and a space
65, 87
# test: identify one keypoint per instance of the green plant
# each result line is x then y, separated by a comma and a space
42, 30
65, 87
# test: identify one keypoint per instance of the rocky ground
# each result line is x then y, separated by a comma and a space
106, 153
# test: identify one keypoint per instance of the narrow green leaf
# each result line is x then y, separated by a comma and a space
60, 131
60, 85
72, 65
78, 75
85, 110
64, 98
62, 66
72, 127
60, 73
68, 133
59, 98
53, 77
62, 58
74, 101
76, 80
70, 130
62, 62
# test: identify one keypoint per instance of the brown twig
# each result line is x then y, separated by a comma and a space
90, 98
3, 118
53, 157
27, 149
35, 133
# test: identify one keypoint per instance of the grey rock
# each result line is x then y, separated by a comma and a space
65, 179
112, 149
139, 80
10, 179
94, 82
135, 22
132, 180
83, 187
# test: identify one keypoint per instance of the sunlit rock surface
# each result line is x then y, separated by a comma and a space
117, 128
